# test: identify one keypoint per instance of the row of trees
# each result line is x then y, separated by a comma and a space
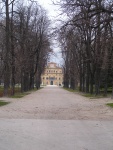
24, 44
86, 40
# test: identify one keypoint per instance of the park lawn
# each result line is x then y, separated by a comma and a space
101, 95
20, 95
91, 96
2, 103
1, 91
110, 104
71, 90
108, 90
17, 90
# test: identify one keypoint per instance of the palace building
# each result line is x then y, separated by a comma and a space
53, 75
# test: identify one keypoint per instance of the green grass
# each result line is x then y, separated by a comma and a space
2, 103
108, 90
35, 89
71, 90
20, 95
88, 95
92, 96
17, 90
1, 91
110, 104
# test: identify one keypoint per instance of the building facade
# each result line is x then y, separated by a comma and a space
53, 75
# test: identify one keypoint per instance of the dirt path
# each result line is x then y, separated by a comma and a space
56, 103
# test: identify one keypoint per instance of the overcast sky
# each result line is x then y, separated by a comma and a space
50, 7
53, 14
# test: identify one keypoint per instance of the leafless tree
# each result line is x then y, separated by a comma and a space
27, 44
91, 23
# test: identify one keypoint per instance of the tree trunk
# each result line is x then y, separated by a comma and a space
87, 77
31, 86
80, 88
83, 78
13, 57
91, 83
22, 81
6, 59
97, 82
26, 81
112, 91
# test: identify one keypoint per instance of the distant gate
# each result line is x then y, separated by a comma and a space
51, 82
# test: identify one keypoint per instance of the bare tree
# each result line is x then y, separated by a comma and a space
91, 23
26, 48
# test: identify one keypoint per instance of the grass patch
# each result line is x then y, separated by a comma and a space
1, 91
2, 103
35, 89
20, 95
88, 95
70, 90
17, 90
92, 96
109, 90
110, 104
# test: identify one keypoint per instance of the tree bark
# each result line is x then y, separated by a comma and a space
6, 59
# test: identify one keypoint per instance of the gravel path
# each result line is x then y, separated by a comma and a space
58, 104
55, 119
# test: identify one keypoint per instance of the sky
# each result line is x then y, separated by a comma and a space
50, 7
53, 14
